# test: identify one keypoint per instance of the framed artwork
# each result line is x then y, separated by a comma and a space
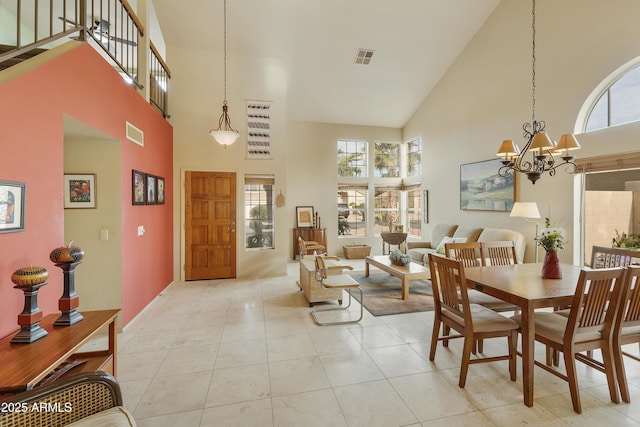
152, 189
160, 193
80, 191
482, 189
12, 205
138, 188
425, 201
398, 228
304, 216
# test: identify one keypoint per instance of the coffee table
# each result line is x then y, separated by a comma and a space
405, 273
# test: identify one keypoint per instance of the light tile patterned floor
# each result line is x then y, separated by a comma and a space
247, 353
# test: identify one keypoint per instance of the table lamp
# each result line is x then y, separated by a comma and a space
527, 210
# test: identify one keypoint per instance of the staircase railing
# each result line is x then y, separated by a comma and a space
112, 24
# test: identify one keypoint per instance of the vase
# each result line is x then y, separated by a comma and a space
551, 266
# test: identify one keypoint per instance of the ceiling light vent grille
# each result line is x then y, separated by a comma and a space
363, 56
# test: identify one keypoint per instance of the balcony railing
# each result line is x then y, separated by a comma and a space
110, 25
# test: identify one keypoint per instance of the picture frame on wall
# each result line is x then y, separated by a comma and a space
160, 192
152, 189
483, 189
304, 216
12, 206
80, 191
425, 201
138, 187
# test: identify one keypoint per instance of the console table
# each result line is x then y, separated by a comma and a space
22, 366
316, 234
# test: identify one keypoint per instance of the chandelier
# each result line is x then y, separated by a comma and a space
544, 151
224, 133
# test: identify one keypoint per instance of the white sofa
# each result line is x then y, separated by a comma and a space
420, 250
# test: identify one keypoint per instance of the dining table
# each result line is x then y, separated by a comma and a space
523, 285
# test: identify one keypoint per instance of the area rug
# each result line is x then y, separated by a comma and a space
383, 294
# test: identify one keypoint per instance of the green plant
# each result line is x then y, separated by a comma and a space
626, 241
343, 226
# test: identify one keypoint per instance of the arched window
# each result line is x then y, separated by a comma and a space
617, 99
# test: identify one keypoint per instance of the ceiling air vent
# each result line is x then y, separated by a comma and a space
363, 56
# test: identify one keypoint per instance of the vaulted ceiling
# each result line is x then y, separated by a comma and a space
413, 42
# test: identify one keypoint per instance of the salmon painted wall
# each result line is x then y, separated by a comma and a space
79, 83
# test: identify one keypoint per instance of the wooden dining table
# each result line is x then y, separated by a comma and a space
522, 285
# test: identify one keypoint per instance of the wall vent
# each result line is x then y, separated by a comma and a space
363, 56
134, 134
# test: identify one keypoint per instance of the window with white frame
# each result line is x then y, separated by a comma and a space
386, 160
352, 158
258, 211
618, 104
352, 208
386, 209
414, 211
414, 158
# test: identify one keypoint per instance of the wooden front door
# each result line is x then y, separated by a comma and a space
210, 225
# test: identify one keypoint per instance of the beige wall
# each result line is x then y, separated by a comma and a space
486, 96
606, 212
98, 278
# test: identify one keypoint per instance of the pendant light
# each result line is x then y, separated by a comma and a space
224, 134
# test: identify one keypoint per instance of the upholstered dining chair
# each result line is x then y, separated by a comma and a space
336, 281
499, 252
470, 253
589, 326
471, 321
627, 330
309, 245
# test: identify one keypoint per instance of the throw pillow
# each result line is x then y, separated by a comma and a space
440, 248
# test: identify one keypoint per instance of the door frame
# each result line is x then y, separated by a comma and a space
183, 199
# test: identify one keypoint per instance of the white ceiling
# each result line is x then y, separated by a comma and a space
415, 42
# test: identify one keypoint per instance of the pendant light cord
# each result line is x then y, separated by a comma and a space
533, 64
225, 51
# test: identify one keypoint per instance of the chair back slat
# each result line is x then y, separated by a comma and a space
603, 257
469, 253
499, 253
631, 307
446, 276
596, 291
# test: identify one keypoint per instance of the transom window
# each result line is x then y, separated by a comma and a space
414, 158
387, 160
352, 158
618, 104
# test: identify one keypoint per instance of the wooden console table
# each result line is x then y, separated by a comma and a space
316, 234
22, 366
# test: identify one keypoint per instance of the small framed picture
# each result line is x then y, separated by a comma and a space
152, 189
80, 191
304, 216
398, 228
160, 193
12, 204
138, 188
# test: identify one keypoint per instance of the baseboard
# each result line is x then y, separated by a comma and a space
146, 307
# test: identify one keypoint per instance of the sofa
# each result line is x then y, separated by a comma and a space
459, 233
84, 399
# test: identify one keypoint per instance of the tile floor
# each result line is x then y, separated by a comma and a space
247, 353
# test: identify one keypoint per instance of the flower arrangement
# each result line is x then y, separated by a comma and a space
552, 238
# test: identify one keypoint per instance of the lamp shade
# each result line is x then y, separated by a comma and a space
567, 142
541, 141
525, 210
225, 137
508, 149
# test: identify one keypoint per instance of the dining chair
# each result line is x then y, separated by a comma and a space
470, 253
498, 252
627, 330
309, 245
471, 321
336, 281
589, 326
